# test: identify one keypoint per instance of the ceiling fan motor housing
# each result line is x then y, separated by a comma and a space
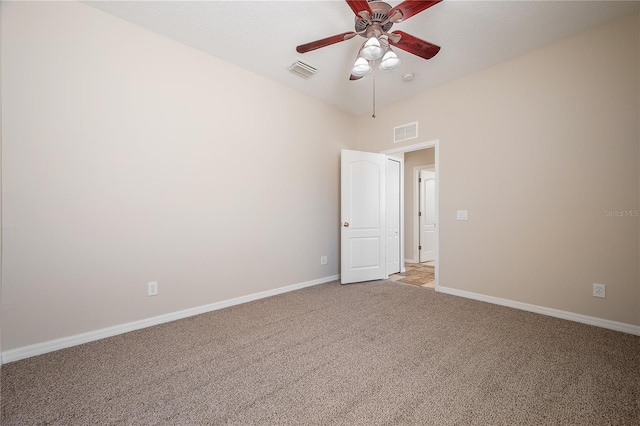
366, 28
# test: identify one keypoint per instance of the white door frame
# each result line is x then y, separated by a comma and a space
416, 147
401, 227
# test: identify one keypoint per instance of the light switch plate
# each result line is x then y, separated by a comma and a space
462, 215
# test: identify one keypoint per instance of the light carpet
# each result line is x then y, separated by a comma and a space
376, 353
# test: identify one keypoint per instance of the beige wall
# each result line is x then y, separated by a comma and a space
130, 158
537, 149
423, 157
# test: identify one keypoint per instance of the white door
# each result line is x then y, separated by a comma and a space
392, 190
427, 218
363, 224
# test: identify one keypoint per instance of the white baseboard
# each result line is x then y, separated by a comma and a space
410, 261
585, 319
78, 339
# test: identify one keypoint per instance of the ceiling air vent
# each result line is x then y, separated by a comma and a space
303, 70
403, 133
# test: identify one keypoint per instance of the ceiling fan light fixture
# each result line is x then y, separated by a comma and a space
390, 61
361, 67
371, 50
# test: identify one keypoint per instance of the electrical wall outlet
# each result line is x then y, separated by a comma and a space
323, 260
152, 288
599, 290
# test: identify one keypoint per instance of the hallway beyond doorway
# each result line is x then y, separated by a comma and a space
417, 274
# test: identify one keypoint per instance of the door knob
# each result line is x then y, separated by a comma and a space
346, 224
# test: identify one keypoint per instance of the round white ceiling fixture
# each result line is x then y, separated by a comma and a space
408, 76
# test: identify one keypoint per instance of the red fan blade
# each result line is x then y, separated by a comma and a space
359, 6
304, 48
409, 8
414, 45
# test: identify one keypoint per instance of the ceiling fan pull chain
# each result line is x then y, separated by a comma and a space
374, 92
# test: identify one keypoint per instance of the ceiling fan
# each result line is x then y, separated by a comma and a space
373, 21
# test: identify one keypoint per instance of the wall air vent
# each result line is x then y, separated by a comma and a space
303, 70
403, 133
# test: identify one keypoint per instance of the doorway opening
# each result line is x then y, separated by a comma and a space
420, 231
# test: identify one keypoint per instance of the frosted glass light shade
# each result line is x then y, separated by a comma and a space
361, 67
390, 61
372, 49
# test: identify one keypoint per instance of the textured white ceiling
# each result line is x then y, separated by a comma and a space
261, 36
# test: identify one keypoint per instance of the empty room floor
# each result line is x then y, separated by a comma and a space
373, 353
